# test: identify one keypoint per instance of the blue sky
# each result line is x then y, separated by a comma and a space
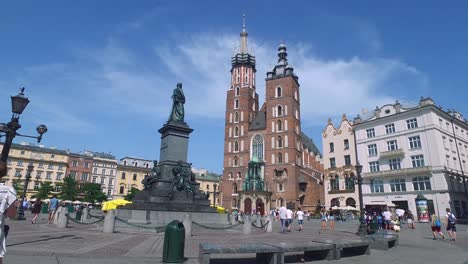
100, 74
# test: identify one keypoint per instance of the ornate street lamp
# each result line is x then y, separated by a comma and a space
20, 212
18, 104
362, 231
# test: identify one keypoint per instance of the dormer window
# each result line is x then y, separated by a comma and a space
125, 163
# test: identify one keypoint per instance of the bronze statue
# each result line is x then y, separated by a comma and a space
152, 177
178, 98
182, 180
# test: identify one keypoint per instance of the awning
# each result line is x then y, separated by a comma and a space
382, 203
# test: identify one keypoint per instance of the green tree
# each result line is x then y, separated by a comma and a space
92, 192
131, 194
18, 185
45, 190
69, 189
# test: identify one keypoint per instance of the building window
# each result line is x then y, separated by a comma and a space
59, 176
20, 163
18, 173
58, 188
280, 187
417, 161
280, 158
349, 183
49, 175
394, 164
392, 145
22, 152
86, 165
84, 176
234, 188
95, 170
347, 160
60, 167
123, 176
41, 165
377, 186
102, 180
280, 142
335, 183
103, 171
279, 110
278, 92
74, 163
239, 175
50, 167
236, 117
332, 147
257, 147
390, 128
37, 185
236, 104
346, 144
38, 174
121, 189
370, 132
412, 123
280, 125
332, 163
236, 146
134, 176
236, 131
236, 161
398, 185
415, 142
372, 150
231, 176
374, 166
94, 179
421, 183
73, 174
237, 91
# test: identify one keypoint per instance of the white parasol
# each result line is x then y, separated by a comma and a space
67, 201
77, 202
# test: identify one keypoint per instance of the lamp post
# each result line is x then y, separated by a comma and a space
362, 231
18, 104
20, 212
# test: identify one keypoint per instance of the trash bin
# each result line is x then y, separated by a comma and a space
79, 212
373, 226
45, 208
174, 243
70, 208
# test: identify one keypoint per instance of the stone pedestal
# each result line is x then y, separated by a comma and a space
85, 214
109, 222
187, 222
247, 226
62, 221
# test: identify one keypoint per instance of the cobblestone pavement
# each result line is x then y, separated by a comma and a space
44, 243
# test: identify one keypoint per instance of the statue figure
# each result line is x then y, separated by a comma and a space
178, 98
152, 177
181, 181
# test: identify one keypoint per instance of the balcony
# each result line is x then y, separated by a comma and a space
392, 153
342, 191
402, 172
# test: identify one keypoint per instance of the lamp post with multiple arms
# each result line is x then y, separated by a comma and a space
18, 104
20, 212
362, 231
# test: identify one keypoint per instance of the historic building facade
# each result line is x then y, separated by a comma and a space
80, 167
339, 158
104, 171
268, 160
209, 184
50, 165
408, 150
130, 174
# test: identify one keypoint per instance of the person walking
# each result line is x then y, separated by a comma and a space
36, 210
410, 220
53, 205
283, 218
435, 226
323, 217
387, 218
332, 219
8, 208
451, 222
289, 216
300, 218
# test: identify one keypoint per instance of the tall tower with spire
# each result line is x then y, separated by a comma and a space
241, 106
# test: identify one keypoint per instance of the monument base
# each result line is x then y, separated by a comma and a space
163, 217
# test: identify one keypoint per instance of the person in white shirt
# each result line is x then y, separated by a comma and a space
289, 215
283, 218
387, 218
451, 224
8, 207
300, 218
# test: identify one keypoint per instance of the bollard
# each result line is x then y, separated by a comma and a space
57, 213
109, 222
247, 226
270, 224
62, 221
85, 215
187, 222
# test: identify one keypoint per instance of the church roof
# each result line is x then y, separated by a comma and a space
309, 143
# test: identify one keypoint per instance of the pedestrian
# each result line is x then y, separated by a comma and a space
289, 216
332, 219
410, 220
379, 221
387, 218
36, 210
323, 217
283, 218
435, 226
8, 208
53, 205
300, 218
451, 224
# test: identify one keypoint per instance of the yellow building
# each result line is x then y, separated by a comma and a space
130, 173
209, 184
50, 165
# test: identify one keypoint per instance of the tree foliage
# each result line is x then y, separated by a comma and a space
131, 194
92, 192
18, 185
69, 189
45, 190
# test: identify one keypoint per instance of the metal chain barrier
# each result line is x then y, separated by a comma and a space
156, 228
262, 226
94, 216
216, 228
87, 223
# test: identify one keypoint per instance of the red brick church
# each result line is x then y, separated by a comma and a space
268, 160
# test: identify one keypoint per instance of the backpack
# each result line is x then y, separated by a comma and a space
437, 223
451, 219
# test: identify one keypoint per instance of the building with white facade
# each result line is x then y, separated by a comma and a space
339, 158
410, 150
104, 171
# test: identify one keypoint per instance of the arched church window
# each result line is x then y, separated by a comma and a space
236, 104
236, 117
231, 176
239, 175
236, 131
280, 110
237, 91
236, 161
280, 142
280, 125
279, 92
280, 158
257, 147
236, 146
234, 188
